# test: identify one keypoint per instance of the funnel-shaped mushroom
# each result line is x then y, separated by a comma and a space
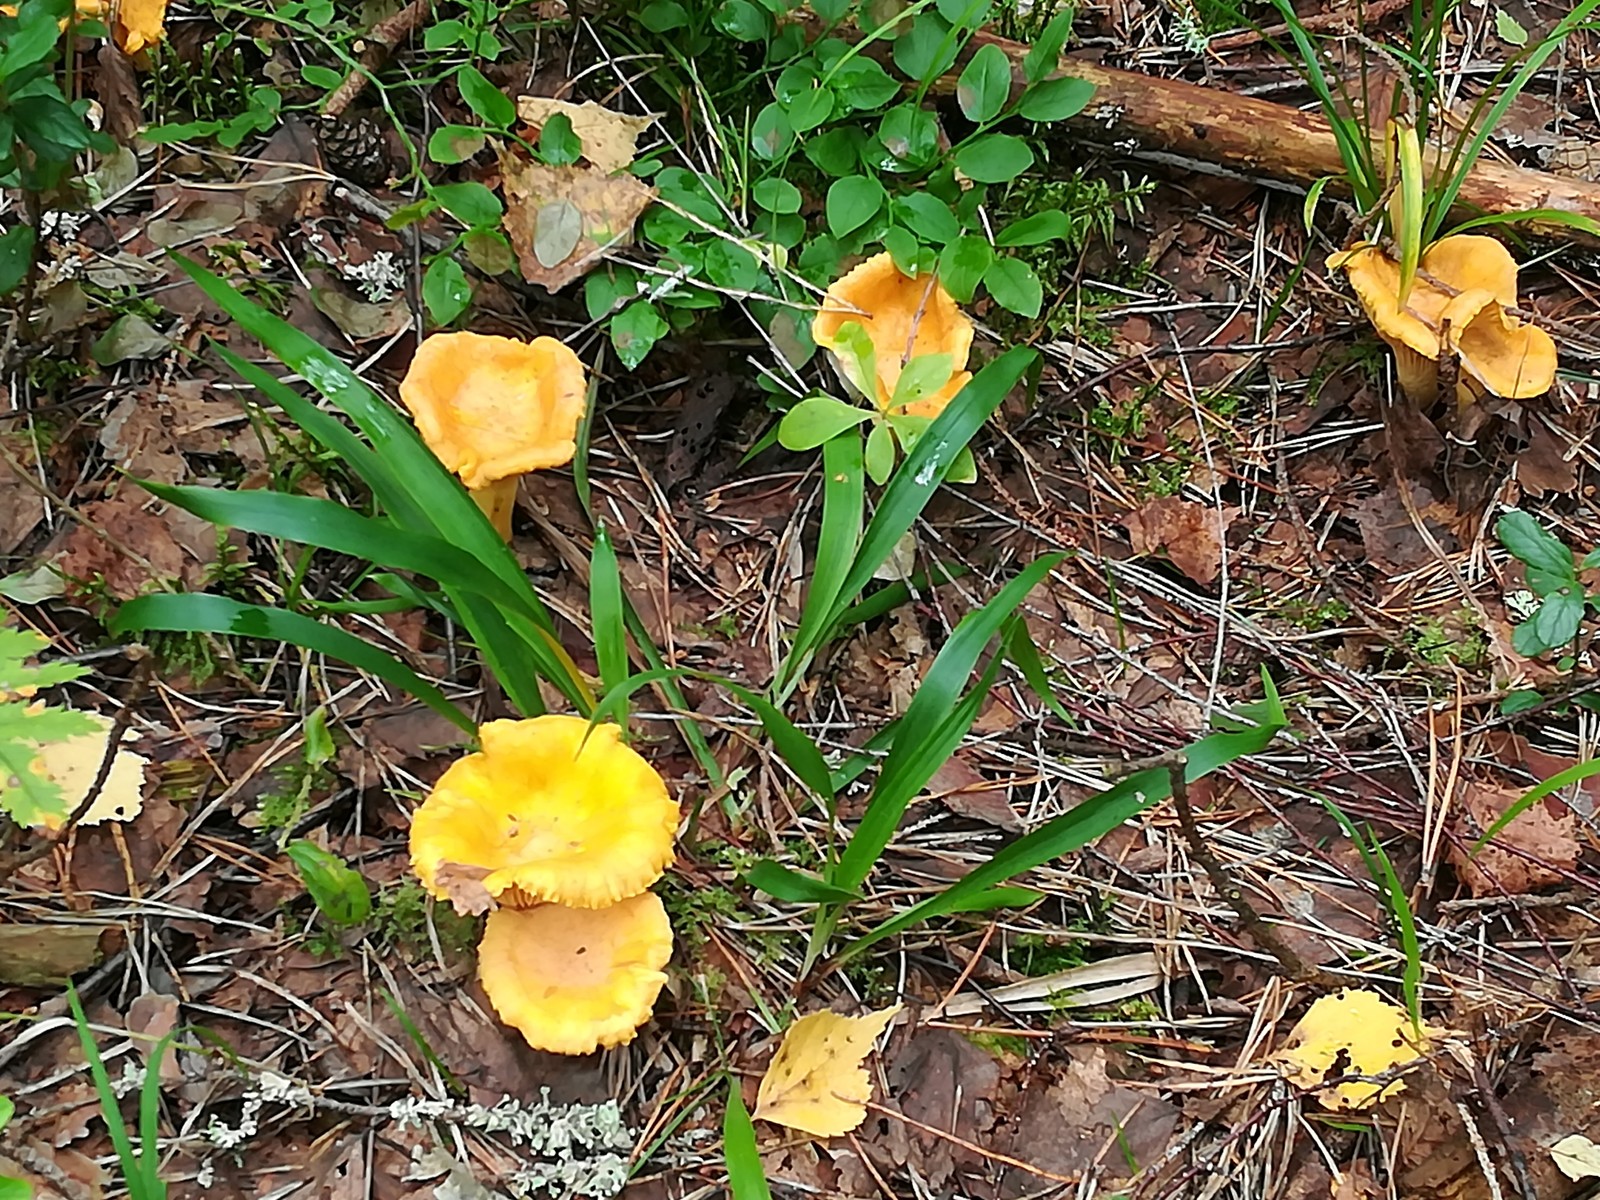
905, 319
549, 809
1459, 304
494, 408
575, 979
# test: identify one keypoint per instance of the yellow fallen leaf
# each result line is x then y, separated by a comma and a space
74, 762
561, 219
1351, 1032
609, 138
139, 23
1577, 1156
817, 1082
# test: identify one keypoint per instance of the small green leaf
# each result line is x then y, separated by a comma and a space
852, 202
339, 892
836, 152
880, 454
470, 203
910, 136
994, 158
962, 266
559, 143
795, 887
904, 248
493, 107
864, 85
926, 51
445, 290
1519, 701
776, 195
1056, 99
810, 109
922, 377
455, 143
858, 357
1555, 623
16, 255
1308, 211
1047, 226
321, 77
1544, 554
635, 330
1509, 30
1044, 56
663, 16
742, 21
928, 217
771, 135
1014, 286
985, 84
818, 419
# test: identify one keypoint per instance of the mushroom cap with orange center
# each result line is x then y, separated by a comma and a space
548, 809
1459, 301
905, 318
493, 407
571, 980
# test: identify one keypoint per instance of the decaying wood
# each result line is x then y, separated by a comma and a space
1273, 142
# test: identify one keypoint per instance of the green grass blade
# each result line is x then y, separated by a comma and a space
1405, 921
922, 739
110, 1109
150, 1122
746, 1179
197, 613
1081, 825
795, 887
838, 538
1468, 149
1532, 796
924, 469
1024, 655
332, 526
605, 612
1549, 216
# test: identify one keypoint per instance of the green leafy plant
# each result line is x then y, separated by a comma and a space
1405, 167
27, 724
831, 122
12, 1188
339, 891
42, 133
1552, 576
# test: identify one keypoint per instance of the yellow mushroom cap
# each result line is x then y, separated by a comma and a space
1464, 286
544, 814
574, 979
494, 407
1510, 358
889, 305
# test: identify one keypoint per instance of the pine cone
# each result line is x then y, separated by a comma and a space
354, 148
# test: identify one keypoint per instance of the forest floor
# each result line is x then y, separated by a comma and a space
1215, 442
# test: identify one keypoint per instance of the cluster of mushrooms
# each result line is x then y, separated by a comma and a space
1460, 308
554, 828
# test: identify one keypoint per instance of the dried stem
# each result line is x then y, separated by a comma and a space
385, 36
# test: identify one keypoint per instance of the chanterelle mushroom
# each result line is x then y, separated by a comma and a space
1459, 304
574, 979
905, 319
493, 408
549, 809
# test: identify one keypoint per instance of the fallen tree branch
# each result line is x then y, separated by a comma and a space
1207, 127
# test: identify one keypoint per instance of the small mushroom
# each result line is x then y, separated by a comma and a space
572, 980
548, 810
1459, 305
905, 318
495, 408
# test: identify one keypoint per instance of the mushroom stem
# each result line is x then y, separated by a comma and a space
498, 500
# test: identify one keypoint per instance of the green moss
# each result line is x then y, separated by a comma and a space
1000, 1044
691, 909
400, 919
1304, 614
1454, 638
1045, 954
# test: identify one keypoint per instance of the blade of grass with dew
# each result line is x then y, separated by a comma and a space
1469, 149
605, 614
331, 526
202, 613
746, 1179
910, 764
1085, 822
110, 1109
925, 467
1573, 774
838, 538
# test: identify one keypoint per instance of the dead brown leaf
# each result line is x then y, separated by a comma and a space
602, 207
151, 1017
942, 1080
1390, 536
968, 794
21, 508
134, 542
464, 886
1190, 533
1527, 854
1543, 465
608, 137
